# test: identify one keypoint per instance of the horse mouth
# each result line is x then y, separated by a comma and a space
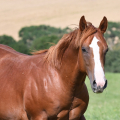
97, 90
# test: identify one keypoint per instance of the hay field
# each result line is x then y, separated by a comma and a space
15, 14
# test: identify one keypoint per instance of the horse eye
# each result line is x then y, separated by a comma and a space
106, 51
84, 50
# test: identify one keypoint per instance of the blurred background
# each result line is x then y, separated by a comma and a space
28, 25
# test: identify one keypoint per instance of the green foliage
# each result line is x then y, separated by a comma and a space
18, 46
8, 40
42, 37
112, 63
21, 47
44, 42
29, 34
34, 38
106, 105
112, 35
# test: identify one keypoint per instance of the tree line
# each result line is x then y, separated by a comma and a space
43, 36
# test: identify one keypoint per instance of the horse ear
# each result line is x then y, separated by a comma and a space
82, 23
103, 25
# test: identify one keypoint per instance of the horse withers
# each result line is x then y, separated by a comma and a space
50, 85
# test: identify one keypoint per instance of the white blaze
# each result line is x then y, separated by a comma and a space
98, 70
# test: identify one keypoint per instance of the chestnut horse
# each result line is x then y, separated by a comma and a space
50, 85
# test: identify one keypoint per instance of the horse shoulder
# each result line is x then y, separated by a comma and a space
43, 93
34, 91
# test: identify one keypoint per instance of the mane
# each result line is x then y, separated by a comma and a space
39, 52
55, 53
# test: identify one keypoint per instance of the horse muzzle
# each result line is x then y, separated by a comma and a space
98, 89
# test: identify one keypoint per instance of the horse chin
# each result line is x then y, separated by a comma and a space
97, 91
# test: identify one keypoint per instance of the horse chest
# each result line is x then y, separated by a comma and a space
47, 93
47, 98
58, 107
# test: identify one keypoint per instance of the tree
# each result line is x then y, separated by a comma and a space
29, 34
19, 46
44, 42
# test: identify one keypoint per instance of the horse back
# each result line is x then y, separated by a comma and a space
6, 50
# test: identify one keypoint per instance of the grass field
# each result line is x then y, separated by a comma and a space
105, 106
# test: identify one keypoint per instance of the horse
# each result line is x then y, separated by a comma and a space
50, 84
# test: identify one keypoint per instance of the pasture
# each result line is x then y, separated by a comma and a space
105, 106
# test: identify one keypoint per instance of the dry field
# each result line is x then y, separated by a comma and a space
15, 14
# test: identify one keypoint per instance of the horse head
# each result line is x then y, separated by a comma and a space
93, 49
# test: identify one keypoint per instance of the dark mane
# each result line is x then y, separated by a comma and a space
55, 53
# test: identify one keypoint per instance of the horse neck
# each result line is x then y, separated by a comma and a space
69, 70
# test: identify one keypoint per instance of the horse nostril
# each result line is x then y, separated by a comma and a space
105, 84
94, 84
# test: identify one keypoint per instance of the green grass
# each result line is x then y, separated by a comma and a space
105, 106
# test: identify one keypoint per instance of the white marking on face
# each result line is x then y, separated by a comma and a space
98, 70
